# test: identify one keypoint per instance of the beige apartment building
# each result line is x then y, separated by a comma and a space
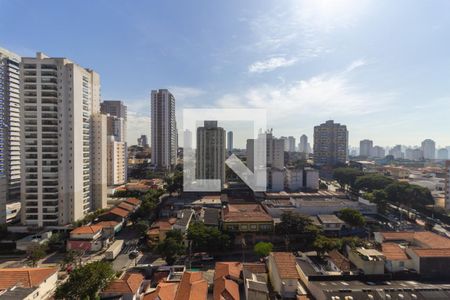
116, 162
330, 143
64, 141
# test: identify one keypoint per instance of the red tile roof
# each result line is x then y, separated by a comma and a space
24, 277
105, 224
426, 238
192, 287
245, 213
393, 251
164, 291
256, 268
118, 212
126, 206
89, 229
133, 201
339, 260
286, 265
225, 289
422, 252
128, 284
228, 269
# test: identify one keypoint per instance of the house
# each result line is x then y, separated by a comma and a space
127, 206
226, 280
129, 287
338, 262
27, 283
115, 214
246, 218
158, 230
255, 281
211, 216
110, 228
184, 218
163, 291
330, 224
86, 238
369, 261
192, 287
133, 201
284, 275
396, 259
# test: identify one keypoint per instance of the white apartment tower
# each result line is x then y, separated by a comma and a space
429, 149
64, 142
210, 152
9, 130
366, 148
116, 124
164, 129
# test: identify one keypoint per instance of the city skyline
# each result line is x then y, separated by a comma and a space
328, 69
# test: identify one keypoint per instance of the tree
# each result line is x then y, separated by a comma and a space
408, 194
174, 183
36, 252
346, 176
263, 249
352, 217
293, 223
172, 246
86, 282
324, 244
370, 182
141, 227
72, 257
207, 239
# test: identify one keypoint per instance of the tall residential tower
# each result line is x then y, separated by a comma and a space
330, 143
164, 129
64, 138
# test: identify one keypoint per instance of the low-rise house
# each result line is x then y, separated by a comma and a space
369, 261
284, 275
184, 218
127, 206
158, 230
338, 262
134, 201
226, 280
255, 281
115, 214
211, 217
27, 283
330, 224
430, 262
110, 228
163, 291
396, 259
86, 238
192, 287
131, 286
246, 218
38, 238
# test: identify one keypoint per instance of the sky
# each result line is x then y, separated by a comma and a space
381, 67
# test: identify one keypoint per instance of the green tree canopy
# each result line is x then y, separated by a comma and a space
346, 176
370, 182
352, 217
408, 194
36, 252
207, 239
172, 246
293, 223
324, 244
263, 249
174, 182
86, 282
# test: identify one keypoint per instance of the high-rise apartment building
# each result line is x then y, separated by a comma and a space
443, 154
273, 150
365, 148
63, 158
229, 141
378, 152
9, 130
210, 152
330, 143
116, 124
429, 149
143, 141
304, 146
291, 144
164, 129
397, 152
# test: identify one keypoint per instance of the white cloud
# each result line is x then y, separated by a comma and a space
324, 95
185, 92
270, 64
356, 64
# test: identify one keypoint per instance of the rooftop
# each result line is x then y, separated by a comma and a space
118, 212
286, 265
225, 289
426, 238
105, 224
424, 252
128, 284
163, 291
339, 260
126, 206
89, 229
228, 269
24, 277
330, 219
393, 251
192, 287
245, 213
133, 201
